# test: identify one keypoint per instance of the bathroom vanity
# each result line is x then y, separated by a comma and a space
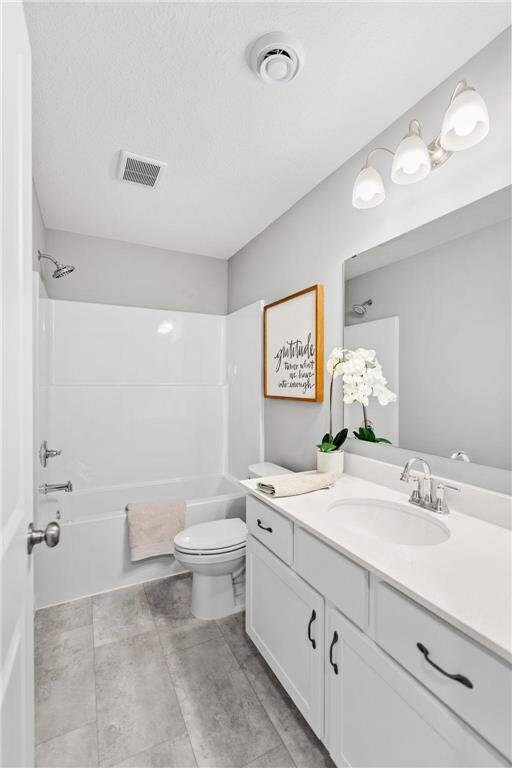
397, 651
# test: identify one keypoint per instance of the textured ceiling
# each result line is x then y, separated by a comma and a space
170, 81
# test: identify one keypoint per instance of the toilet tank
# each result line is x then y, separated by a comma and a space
266, 469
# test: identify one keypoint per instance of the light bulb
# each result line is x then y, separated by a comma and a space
368, 189
411, 162
465, 123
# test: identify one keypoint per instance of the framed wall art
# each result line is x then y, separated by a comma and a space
293, 338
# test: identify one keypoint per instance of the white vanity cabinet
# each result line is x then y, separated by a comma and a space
285, 620
345, 647
378, 715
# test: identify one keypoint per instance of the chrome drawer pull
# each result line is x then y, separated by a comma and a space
269, 529
333, 643
312, 639
459, 678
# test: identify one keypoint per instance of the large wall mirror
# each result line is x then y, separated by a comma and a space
435, 305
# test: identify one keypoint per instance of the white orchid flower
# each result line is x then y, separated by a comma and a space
385, 396
362, 375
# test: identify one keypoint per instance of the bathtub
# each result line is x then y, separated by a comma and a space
93, 553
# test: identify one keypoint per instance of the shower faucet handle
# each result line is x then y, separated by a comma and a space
46, 453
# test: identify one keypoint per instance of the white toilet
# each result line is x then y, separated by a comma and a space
215, 553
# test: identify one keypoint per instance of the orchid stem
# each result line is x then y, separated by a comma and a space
330, 405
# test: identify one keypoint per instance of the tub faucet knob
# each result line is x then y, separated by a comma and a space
46, 453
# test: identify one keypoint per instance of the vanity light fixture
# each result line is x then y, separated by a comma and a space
465, 123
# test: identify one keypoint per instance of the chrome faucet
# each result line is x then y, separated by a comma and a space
50, 487
422, 492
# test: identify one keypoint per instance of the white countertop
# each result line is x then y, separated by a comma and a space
466, 580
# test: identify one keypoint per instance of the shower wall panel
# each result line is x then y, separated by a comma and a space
135, 395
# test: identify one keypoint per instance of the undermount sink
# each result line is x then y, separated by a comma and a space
390, 521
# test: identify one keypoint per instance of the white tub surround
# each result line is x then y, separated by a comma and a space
129, 389
466, 580
244, 354
396, 654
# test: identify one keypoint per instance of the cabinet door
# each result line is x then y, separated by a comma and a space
285, 620
378, 715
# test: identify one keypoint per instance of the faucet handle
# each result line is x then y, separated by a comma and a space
440, 501
416, 494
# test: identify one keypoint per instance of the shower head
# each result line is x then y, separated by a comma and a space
60, 269
63, 269
362, 309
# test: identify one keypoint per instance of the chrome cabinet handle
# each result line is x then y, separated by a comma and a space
263, 528
459, 678
331, 661
50, 535
312, 619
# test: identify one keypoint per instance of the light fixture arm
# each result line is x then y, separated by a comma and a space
462, 85
373, 151
414, 128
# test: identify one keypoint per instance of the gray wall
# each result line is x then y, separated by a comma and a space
114, 272
454, 305
309, 243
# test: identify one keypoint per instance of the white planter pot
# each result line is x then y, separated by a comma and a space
330, 462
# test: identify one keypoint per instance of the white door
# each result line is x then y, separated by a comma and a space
378, 715
285, 620
16, 494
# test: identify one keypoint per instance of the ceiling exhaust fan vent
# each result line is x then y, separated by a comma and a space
276, 57
140, 170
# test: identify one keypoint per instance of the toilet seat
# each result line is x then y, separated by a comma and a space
214, 538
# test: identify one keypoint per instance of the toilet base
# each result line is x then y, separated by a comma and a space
216, 596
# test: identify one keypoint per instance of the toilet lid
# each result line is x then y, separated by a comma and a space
216, 535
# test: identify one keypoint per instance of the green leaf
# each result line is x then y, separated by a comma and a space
367, 434
382, 440
340, 438
327, 438
327, 447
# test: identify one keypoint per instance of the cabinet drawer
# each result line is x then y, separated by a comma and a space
400, 625
336, 577
271, 528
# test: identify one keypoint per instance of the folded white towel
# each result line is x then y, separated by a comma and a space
152, 526
297, 483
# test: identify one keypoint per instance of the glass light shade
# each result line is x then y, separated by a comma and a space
368, 189
465, 123
411, 162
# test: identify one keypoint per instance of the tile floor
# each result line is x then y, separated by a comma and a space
131, 679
